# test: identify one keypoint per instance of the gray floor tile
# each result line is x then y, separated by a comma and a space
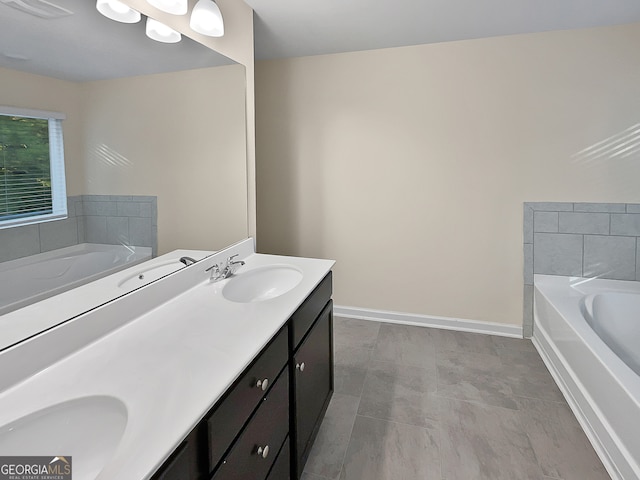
464, 341
401, 393
528, 376
406, 345
494, 412
381, 450
561, 447
355, 333
328, 451
350, 368
484, 442
311, 476
475, 377
519, 344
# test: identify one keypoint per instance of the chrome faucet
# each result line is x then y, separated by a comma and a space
229, 269
232, 266
188, 260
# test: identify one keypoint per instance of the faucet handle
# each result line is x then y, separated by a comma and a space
215, 271
230, 260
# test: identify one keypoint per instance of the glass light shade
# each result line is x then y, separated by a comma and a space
206, 19
176, 7
118, 11
161, 33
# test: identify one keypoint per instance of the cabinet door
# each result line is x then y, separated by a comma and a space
313, 384
186, 463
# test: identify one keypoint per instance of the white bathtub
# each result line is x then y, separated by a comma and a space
585, 332
31, 279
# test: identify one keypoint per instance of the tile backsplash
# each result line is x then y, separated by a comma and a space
108, 219
579, 239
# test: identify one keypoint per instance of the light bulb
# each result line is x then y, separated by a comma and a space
161, 32
206, 19
118, 11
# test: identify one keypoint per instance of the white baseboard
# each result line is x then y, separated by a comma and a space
446, 323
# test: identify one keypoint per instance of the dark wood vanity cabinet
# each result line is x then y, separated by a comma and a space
312, 385
311, 367
265, 424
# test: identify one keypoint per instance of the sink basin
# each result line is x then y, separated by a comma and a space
150, 274
262, 283
87, 429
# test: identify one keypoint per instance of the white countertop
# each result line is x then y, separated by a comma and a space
31, 319
169, 364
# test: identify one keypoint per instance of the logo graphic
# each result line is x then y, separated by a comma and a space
35, 468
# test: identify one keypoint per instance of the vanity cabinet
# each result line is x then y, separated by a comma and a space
265, 424
311, 365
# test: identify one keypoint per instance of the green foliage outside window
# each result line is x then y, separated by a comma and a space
25, 172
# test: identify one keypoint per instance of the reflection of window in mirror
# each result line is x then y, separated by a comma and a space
32, 183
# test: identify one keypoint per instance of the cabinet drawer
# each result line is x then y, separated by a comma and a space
232, 413
306, 314
281, 469
268, 428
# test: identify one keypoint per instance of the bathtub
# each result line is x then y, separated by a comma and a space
31, 279
588, 333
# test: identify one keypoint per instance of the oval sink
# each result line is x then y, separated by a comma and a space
88, 429
261, 283
150, 274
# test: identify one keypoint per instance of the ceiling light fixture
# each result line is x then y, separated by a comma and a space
175, 7
118, 11
161, 32
206, 19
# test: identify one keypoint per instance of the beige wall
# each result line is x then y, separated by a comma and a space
236, 44
180, 136
409, 166
24, 90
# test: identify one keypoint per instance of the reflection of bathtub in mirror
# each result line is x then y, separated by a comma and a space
31, 279
41, 315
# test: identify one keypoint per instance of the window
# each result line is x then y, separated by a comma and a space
32, 183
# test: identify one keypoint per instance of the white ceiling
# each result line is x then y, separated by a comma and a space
87, 46
291, 28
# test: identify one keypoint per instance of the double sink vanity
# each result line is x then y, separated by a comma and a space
196, 375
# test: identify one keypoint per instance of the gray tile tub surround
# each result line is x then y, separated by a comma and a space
438, 404
120, 219
27, 240
107, 219
579, 239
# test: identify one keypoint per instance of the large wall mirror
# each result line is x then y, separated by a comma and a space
143, 120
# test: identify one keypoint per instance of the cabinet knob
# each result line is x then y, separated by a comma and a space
263, 451
263, 384
300, 366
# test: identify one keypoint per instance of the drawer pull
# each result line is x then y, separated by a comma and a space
263, 452
263, 384
300, 366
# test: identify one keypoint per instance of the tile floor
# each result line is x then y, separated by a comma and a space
420, 403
